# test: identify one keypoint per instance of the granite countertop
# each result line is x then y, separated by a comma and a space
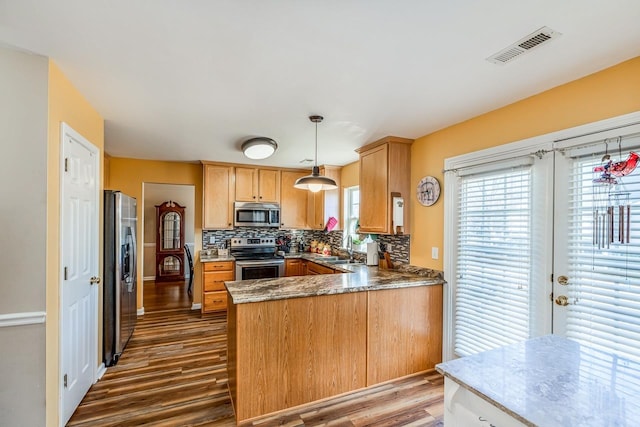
214, 258
553, 382
355, 278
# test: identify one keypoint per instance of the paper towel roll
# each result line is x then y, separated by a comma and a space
372, 253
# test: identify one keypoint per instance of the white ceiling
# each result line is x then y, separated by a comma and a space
191, 79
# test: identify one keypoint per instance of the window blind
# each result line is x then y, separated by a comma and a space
604, 287
493, 269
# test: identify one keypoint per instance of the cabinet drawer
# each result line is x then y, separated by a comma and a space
218, 266
214, 281
214, 301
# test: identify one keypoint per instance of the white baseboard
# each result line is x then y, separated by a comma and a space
196, 306
141, 311
101, 371
20, 319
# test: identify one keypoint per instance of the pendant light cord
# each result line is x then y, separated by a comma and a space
315, 163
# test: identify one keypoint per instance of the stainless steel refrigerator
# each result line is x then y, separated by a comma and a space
120, 283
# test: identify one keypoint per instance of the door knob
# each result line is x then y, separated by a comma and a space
94, 280
563, 280
562, 300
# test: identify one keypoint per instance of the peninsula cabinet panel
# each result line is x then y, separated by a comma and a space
218, 197
293, 206
404, 332
289, 352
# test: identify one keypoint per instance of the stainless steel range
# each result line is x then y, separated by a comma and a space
256, 258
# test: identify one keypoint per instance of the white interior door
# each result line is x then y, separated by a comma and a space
597, 248
79, 256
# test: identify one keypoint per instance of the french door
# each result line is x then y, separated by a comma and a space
596, 283
534, 245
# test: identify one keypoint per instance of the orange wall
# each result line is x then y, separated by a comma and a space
67, 105
128, 175
608, 93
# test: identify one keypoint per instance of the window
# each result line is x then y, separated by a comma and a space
351, 213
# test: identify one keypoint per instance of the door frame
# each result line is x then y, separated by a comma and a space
551, 141
66, 130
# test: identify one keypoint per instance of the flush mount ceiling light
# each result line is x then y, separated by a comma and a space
259, 148
315, 182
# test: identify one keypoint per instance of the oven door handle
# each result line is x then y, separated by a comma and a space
260, 262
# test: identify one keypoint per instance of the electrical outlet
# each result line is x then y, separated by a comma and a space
212, 240
389, 247
434, 252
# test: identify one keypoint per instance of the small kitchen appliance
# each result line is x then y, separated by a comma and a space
249, 214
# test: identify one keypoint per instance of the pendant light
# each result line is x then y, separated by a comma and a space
259, 148
315, 182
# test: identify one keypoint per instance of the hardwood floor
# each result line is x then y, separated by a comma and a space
173, 373
160, 296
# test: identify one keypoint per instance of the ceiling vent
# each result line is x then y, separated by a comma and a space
524, 45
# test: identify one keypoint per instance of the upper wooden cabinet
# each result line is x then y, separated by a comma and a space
384, 169
257, 185
325, 204
218, 197
293, 206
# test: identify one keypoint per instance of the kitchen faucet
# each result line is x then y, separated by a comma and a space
350, 247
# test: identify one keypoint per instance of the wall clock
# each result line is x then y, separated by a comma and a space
428, 191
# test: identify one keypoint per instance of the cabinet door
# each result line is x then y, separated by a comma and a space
218, 197
246, 185
269, 185
315, 210
293, 206
293, 267
374, 192
325, 204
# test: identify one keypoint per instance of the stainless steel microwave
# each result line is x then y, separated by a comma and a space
248, 214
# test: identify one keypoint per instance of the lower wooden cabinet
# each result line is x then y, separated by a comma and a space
313, 268
214, 294
302, 267
294, 267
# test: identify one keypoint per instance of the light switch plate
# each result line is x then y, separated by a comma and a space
434, 252
212, 240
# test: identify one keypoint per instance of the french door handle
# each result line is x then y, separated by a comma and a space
562, 300
94, 280
563, 280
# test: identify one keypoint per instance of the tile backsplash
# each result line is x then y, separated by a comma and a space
399, 243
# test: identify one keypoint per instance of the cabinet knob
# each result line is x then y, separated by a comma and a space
254, 197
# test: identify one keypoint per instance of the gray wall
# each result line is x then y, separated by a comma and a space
23, 182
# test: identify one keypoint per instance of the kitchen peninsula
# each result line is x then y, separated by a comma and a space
294, 340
